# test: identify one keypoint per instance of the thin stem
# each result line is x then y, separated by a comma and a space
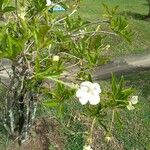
91, 32
94, 32
112, 121
73, 65
61, 82
60, 20
6, 70
3, 84
16, 5
90, 139
11, 121
28, 47
70, 55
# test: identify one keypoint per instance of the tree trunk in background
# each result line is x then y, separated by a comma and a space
149, 9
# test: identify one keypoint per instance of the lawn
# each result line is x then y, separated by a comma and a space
136, 132
133, 133
69, 132
134, 10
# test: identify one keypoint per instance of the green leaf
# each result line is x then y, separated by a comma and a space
119, 120
95, 42
90, 77
120, 86
110, 12
103, 125
50, 103
1, 4
9, 8
119, 25
125, 93
114, 85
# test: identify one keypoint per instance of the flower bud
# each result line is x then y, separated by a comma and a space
56, 58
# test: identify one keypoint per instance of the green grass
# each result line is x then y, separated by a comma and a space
133, 10
3, 134
136, 131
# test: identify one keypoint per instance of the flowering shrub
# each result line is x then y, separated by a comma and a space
52, 57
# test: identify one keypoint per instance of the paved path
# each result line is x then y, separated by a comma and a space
118, 66
125, 65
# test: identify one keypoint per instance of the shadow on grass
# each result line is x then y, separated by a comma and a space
140, 81
135, 15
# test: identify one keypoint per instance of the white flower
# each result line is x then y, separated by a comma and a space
132, 101
87, 147
107, 47
22, 13
89, 92
49, 3
108, 138
56, 58
82, 32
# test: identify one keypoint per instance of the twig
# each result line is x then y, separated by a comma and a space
16, 4
11, 121
62, 19
94, 32
73, 65
28, 47
91, 32
70, 55
112, 121
6, 70
91, 131
3, 84
91, 23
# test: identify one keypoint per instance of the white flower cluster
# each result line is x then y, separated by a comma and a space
89, 92
132, 101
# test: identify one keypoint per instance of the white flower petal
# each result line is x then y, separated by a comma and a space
87, 147
48, 2
96, 87
80, 93
86, 84
108, 138
85, 89
83, 100
134, 100
130, 106
94, 99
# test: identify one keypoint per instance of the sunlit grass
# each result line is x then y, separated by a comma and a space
134, 10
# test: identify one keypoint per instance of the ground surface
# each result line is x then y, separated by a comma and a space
124, 65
